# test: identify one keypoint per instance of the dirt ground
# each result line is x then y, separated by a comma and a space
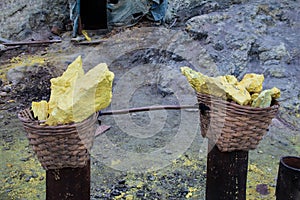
146, 155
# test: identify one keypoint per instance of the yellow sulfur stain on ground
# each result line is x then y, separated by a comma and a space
259, 176
75, 96
21, 61
13, 174
27, 61
190, 193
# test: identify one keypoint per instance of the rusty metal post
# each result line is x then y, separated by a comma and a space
226, 174
68, 183
288, 180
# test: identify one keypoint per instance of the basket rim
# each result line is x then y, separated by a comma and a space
275, 104
36, 123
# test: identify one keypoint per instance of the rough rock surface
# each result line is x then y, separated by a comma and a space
22, 19
213, 37
255, 37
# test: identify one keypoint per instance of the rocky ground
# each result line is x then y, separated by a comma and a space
159, 154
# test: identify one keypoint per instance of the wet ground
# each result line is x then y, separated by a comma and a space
157, 154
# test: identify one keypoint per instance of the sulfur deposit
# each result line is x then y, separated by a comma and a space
75, 95
248, 91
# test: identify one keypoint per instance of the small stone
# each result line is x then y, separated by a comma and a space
151, 178
3, 94
8, 190
24, 159
97, 196
55, 30
115, 193
6, 148
27, 179
262, 189
2, 47
34, 175
6, 88
164, 91
168, 151
41, 178
122, 182
140, 193
218, 46
185, 191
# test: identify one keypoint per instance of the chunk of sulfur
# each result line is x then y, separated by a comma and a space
75, 96
264, 99
252, 82
40, 109
225, 87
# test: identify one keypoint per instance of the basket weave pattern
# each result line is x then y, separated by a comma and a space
60, 146
231, 126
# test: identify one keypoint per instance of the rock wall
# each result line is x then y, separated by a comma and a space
22, 19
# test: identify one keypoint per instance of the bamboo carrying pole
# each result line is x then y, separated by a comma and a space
149, 108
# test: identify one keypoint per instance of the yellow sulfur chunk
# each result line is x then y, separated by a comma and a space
225, 87
196, 79
94, 95
90, 93
40, 109
252, 82
228, 88
75, 96
275, 93
65, 83
264, 99
231, 79
220, 87
85, 34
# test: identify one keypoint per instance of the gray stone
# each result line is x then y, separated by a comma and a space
15, 75
20, 19
2, 47
270, 52
3, 94
6, 88
277, 72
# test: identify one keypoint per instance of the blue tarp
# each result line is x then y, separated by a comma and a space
129, 12
158, 9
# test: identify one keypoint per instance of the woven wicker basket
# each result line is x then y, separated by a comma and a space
60, 146
231, 126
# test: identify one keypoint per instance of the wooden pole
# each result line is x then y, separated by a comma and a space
68, 183
226, 174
